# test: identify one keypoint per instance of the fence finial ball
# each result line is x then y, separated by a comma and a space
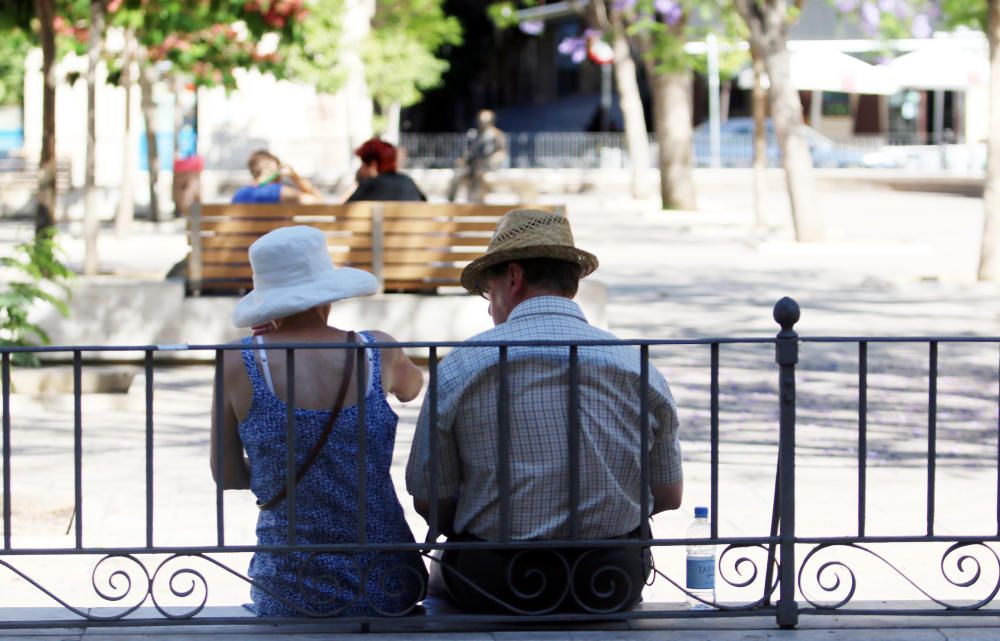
786, 313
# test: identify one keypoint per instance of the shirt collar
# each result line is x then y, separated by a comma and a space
544, 305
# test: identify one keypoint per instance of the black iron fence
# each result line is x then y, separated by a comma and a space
156, 584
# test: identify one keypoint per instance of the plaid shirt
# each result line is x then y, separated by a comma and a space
609, 447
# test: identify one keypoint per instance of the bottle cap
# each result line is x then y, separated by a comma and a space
701, 513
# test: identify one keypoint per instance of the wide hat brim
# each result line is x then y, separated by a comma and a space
264, 305
473, 273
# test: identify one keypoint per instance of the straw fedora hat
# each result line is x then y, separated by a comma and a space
528, 233
292, 272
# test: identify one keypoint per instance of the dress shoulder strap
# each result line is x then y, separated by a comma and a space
374, 358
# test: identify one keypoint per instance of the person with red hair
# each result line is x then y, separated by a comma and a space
378, 178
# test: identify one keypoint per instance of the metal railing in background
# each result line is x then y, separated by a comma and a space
582, 150
767, 563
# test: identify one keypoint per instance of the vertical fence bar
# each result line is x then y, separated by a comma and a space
786, 313
998, 449
291, 465
644, 484
931, 434
573, 441
862, 434
5, 378
220, 516
503, 445
432, 421
149, 448
714, 438
78, 445
362, 385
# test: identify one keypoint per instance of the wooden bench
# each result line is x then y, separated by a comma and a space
413, 247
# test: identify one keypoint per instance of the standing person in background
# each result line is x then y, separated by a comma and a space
268, 183
487, 152
378, 178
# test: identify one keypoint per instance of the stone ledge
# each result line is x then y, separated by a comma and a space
117, 311
36, 381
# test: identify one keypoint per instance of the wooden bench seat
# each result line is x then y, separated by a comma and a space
415, 247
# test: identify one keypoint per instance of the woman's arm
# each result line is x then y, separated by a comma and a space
399, 375
235, 467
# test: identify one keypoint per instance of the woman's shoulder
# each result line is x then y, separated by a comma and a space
233, 358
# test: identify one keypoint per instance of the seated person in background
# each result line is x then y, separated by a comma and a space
268, 186
529, 275
294, 284
378, 178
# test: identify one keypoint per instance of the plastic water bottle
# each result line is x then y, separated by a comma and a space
700, 562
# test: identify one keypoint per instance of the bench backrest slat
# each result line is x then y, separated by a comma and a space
409, 246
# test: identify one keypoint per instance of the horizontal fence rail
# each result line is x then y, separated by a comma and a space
780, 571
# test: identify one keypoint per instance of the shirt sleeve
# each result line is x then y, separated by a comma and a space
665, 459
445, 459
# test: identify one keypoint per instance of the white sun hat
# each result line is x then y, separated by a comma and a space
292, 272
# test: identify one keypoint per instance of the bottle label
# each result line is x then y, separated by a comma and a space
701, 573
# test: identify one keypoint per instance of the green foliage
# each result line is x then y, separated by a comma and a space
37, 275
16, 14
400, 53
693, 21
316, 59
504, 14
14, 46
965, 13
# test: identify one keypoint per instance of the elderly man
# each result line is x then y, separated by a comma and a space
530, 275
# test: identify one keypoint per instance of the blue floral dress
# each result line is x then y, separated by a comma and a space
328, 584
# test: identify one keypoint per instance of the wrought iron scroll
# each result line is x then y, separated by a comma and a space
837, 578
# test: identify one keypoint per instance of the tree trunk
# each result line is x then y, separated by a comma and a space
786, 111
636, 133
91, 262
45, 213
126, 206
769, 34
146, 79
674, 137
989, 255
760, 159
178, 117
392, 116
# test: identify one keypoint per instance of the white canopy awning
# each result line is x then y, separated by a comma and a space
824, 70
941, 68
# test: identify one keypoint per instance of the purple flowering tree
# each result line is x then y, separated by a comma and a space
609, 18
657, 30
768, 22
660, 29
966, 13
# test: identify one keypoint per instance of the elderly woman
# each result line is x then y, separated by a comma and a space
294, 285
